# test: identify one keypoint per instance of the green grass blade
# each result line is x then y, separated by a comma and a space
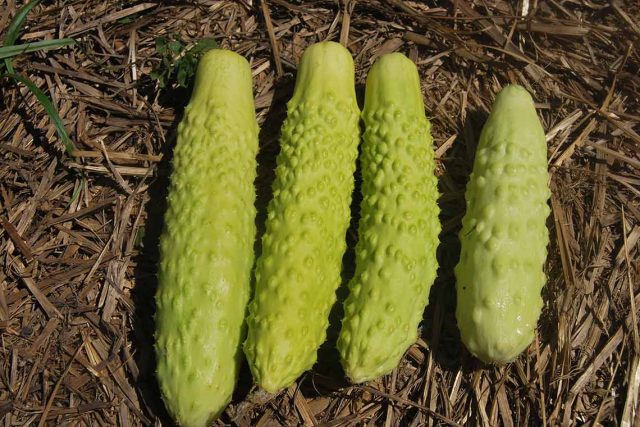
76, 192
14, 29
9, 51
49, 108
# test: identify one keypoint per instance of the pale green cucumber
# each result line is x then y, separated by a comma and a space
398, 232
299, 269
206, 247
504, 237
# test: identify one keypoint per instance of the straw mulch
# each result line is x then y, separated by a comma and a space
78, 235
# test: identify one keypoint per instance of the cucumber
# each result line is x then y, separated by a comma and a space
398, 231
206, 247
504, 236
298, 272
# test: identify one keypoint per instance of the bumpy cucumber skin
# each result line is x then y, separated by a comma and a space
206, 248
398, 231
504, 236
299, 269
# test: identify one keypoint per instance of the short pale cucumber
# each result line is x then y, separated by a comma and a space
504, 237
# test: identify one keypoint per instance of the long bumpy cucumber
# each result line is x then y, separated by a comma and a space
398, 232
298, 271
504, 238
206, 248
